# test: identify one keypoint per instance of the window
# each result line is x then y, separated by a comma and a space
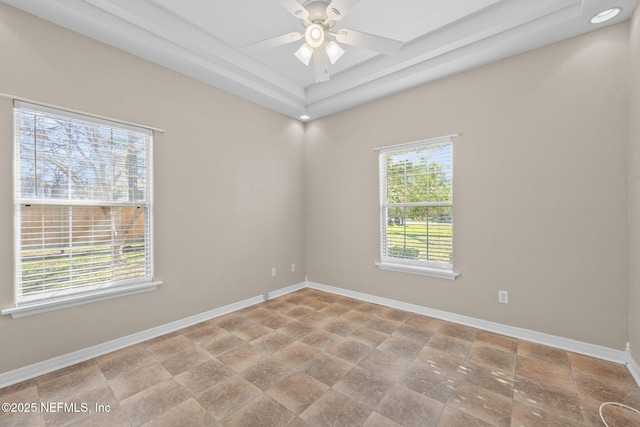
83, 208
416, 204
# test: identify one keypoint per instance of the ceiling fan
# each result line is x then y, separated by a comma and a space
320, 39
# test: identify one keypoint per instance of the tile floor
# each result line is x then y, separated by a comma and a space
311, 358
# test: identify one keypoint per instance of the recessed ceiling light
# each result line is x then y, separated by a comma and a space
305, 117
606, 15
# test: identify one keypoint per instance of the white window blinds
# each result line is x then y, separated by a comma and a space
83, 203
416, 203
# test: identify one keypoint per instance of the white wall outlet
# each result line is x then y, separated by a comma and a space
293, 268
503, 297
274, 272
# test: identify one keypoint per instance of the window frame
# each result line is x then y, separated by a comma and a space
421, 267
51, 299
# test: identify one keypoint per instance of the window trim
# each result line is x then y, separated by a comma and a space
425, 268
100, 291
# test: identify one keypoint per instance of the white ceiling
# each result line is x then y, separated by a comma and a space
200, 38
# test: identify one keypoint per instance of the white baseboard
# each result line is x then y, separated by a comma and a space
50, 365
633, 365
600, 352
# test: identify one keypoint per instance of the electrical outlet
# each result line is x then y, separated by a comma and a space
274, 272
293, 268
503, 297
265, 296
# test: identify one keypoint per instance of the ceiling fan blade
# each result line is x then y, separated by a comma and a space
337, 9
321, 65
271, 43
296, 9
368, 41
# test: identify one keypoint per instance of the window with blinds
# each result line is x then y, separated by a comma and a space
416, 203
83, 192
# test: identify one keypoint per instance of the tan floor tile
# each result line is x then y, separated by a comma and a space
369, 308
170, 346
455, 418
414, 333
80, 407
297, 391
543, 352
355, 316
276, 321
138, 379
22, 393
350, 350
368, 336
395, 315
492, 356
447, 344
500, 342
187, 413
378, 420
442, 362
315, 305
543, 398
243, 357
424, 322
232, 321
382, 363
429, 381
321, 339
296, 330
364, 386
228, 396
488, 377
481, 403
252, 331
545, 372
400, 347
409, 408
262, 412
198, 379
203, 331
267, 372
272, 342
327, 369
221, 344
150, 403
334, 310
187, 359
600, 368
455, 330
341, 327
523, 415
297, 354
336, 409
76, 380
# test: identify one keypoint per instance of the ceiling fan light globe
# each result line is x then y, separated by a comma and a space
304, 54
334, 51
314, 35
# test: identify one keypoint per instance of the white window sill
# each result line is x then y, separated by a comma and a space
43, 306
414, 269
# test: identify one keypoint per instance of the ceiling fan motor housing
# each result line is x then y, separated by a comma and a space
317, 10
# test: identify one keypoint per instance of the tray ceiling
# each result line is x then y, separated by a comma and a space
201, 39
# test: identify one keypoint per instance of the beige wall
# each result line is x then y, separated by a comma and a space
229, 187
540, 190
634, 186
